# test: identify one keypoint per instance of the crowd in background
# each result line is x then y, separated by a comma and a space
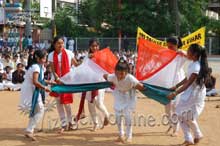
13, 61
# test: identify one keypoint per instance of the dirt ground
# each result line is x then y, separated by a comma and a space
13, 123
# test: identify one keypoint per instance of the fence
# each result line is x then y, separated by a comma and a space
212, 44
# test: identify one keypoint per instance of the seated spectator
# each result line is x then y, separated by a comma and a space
23, 60
210, 85
18, 74
16, 60
7, 80
7, 75
7, 61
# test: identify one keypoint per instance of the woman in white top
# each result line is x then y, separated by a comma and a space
61, 61
191, 102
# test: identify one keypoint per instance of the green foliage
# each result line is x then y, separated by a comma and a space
156, 17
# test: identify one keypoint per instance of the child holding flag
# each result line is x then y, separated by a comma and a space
125, 99
32, 91
194, 93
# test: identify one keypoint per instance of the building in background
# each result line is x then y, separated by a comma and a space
214, 9
214, 5
11, 26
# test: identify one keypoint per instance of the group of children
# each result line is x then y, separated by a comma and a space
189, 91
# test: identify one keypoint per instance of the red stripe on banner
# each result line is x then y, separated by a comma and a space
151, 58
105, 59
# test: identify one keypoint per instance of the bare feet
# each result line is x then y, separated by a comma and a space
63, 128
128, 140
187, 143
30, 136
197, 140
95, 127
120, 139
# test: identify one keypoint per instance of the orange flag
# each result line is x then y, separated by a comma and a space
105, 59
151, 58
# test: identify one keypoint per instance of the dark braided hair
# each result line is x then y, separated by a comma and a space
38, 54
201, 54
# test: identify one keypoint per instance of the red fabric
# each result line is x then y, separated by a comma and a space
81, 106
65, 98
82, 101
105, 59
151, 58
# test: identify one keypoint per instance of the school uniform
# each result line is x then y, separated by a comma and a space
124, 101
191, 104
27, 90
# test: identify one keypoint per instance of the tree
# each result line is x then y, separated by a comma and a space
154, 16
104, 18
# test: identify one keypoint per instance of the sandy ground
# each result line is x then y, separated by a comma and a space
13, 123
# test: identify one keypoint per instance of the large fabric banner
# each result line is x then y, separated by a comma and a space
196, 37
151, 59
89, 75
157, 68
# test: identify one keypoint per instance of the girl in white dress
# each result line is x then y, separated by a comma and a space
125, 98
32, 91
191, 102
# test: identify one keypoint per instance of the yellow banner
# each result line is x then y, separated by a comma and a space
142, 34
195, 37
